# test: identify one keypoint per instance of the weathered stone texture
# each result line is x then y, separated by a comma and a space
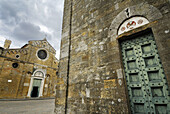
96, 77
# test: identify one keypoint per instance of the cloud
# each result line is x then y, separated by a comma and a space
27, 31
24, 20
2, 41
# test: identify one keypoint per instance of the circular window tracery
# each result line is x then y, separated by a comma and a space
42, 54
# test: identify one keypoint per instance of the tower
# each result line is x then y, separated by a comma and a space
7, 44
114, 57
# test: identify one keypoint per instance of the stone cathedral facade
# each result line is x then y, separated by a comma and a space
115, 57
28, 72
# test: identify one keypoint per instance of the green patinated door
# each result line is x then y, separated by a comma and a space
146, 82
36, 87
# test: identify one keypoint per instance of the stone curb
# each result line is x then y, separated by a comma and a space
26, 99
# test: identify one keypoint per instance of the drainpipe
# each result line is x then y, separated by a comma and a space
68, 66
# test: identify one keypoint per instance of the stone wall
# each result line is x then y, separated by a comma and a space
90, 69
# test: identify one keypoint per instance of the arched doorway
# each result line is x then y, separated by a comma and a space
145, 78
36, 84
146, 83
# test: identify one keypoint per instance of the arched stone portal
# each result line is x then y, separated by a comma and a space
145, 78
37, 83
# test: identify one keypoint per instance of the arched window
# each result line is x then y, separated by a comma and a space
39, 74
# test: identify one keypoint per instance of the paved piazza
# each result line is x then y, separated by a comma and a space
27, 107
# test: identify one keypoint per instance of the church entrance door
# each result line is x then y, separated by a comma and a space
36, 87
146, 81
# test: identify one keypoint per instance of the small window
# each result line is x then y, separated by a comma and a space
57, 73
17, 56
15, 65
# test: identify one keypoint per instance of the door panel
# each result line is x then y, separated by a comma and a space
36, 87
34, 92
146, 82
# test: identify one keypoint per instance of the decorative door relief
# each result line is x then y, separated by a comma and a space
146, 81
132, 23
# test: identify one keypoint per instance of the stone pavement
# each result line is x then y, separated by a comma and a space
45, 106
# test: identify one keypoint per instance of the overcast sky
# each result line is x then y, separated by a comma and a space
24, 20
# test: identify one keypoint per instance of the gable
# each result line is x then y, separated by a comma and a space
43, 44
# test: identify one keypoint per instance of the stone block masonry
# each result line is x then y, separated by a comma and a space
91, 70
